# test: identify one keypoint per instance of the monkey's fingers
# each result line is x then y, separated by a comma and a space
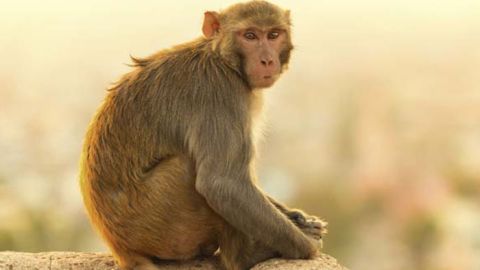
316, 223
315, 228
313, 234
320, 243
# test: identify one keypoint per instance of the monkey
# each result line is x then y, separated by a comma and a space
167, 167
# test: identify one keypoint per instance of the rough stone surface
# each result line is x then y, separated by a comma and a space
102, 261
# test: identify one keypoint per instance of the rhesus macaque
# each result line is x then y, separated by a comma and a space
167, 167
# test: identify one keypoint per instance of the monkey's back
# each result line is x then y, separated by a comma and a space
143, 122
148, 113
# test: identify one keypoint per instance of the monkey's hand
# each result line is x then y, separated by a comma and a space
312, 226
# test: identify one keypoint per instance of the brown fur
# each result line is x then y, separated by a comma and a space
167, 167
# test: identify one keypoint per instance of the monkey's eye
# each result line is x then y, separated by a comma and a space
273, 35
250, 35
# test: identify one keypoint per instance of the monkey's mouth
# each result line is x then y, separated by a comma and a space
264, 81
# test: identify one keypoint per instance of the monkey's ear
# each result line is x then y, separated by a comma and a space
287, 15
210, 24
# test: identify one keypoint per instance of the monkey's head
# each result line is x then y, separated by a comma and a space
254, 38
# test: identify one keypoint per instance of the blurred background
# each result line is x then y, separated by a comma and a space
375, 127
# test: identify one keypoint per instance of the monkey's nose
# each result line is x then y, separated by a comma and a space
266, 62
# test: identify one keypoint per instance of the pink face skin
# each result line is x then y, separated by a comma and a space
261, 49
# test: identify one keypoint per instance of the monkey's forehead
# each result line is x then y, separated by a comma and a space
261, 23
255, 13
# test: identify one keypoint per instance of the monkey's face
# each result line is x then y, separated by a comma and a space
254, 38
262, 51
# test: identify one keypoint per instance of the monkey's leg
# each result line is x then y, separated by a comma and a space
163, 217
310, 225
129, 260
240, 252
175, 222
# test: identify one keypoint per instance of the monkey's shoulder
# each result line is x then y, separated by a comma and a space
188, 67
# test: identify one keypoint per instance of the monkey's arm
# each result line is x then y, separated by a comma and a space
310, 225
224, 179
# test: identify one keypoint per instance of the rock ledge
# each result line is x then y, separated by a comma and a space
102, 261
